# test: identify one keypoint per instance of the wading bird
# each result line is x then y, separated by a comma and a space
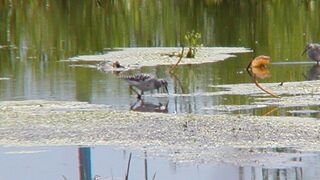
145, 82
313, 51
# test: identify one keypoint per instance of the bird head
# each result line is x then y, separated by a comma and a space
307, 47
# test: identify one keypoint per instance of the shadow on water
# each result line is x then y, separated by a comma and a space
101, 162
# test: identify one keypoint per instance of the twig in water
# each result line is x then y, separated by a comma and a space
253, 66
270, 111
172, 68
254, 79
128, 168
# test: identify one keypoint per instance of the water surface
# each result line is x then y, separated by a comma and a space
36, 35
102, 162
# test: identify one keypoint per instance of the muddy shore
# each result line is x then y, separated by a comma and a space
185, 137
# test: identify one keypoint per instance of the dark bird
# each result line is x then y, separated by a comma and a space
313, 51
145, 82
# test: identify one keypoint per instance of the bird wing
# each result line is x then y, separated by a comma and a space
137, 79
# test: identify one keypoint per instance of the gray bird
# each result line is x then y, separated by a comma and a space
313, 51
145, 82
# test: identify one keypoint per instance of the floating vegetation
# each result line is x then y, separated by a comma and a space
140, 57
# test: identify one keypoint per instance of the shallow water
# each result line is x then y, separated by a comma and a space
36, 36
103, 162
189, 91
35, 41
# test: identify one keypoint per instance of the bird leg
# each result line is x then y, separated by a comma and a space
138, 95
132, 106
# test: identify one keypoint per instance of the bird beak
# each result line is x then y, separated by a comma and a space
305, 50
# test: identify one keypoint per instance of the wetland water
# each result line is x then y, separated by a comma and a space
102, 162
35, 36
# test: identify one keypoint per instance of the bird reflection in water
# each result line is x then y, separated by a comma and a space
314, 73
142, 106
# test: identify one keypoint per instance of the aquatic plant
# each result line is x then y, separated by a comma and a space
257, 68
192, 40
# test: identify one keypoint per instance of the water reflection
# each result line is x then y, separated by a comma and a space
35, 36
85, 163
101, 162
142, 106
283, 171
314, 73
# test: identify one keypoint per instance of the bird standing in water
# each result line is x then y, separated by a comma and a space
313, 51
145, 82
